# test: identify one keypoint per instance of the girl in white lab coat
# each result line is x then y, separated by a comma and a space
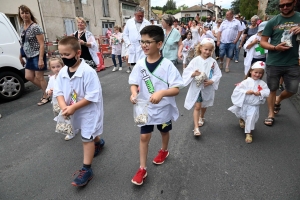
247, 96
201, 95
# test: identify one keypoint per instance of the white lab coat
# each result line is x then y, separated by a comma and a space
132, 37
208, 92
245, 106
164, 77
86, 84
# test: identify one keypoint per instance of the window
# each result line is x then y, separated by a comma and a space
106, 25
105, 8
14, 21
127, 7
84, 1
69, 26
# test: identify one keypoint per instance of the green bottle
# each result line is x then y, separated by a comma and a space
148, 81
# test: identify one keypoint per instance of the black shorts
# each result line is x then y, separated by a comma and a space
164, 128
290, 74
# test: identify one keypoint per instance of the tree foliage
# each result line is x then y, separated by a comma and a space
248, 8
235, 6
156, 8
170, 5
272, 7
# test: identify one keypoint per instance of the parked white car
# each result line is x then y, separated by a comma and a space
12, 73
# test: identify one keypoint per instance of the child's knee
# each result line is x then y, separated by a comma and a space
197, 106
145, 137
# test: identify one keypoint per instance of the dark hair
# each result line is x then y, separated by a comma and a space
154, 32
71, 41
186, 33
25, 9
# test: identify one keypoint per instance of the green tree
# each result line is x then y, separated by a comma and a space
170, 5
235, 6
156, 8
272, 7
248, 8
183, 7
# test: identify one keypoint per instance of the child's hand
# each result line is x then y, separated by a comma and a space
196, 73
133, 98
67, 111
250, 92
257, 93
156, 97
208, 82
50, 92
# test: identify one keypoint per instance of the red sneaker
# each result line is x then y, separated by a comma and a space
139, 177
161, 157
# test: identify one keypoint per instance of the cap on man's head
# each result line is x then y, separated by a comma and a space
152, 19
262, 26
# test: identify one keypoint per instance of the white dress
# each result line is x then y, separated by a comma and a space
188, 46
195, 35
208, 92
164, 77
116, 43
245, 106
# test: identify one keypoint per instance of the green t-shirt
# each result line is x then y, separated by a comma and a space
274, 29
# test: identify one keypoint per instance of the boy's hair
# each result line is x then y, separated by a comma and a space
198, 51
55, 59
154, 32
249, 73
71, 41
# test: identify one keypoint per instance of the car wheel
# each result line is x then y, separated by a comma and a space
11, 86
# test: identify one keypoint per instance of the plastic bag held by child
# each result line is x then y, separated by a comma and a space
63, 125
200, 78
287, 38
140, 112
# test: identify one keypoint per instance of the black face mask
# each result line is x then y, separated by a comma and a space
70, 62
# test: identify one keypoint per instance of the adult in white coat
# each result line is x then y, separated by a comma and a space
132, 36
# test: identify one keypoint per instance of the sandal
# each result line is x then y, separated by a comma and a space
276, 108
43, 101
201, 122
242, 123
248, 139
269, 121
197, 132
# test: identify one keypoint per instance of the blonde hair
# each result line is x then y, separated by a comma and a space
118, 27
55, 59
81, 19
198, 49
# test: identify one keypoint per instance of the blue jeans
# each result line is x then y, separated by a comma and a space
227, 49
237, 50
113, 57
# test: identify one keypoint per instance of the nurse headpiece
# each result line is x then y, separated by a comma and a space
207, 40
259, 65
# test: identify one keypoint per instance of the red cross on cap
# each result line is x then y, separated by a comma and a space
262, 63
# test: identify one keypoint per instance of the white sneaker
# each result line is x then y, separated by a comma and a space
128, 71
236, 61
115, 69
120, 68
69, 137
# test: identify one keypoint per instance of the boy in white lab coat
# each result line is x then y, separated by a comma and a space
159, 82
79, 95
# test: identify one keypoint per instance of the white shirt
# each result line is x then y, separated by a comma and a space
86, 84
164, 77
208, 92
229, 30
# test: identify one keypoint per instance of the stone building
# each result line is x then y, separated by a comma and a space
146, 4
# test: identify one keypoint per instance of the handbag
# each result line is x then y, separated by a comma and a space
22, 52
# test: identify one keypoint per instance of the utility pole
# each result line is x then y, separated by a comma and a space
214, 13
201, 11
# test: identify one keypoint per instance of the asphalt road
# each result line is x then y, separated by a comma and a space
36, 162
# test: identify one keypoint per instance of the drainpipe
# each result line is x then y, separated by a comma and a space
43, 22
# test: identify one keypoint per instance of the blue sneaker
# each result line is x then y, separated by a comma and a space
98, 147
85, 175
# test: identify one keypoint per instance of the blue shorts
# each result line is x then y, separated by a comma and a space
32, 63
199, 99
227, 49
164, 128
290, 74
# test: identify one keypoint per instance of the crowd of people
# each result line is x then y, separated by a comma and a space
152, 54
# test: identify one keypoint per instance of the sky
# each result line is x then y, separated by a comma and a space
190, 3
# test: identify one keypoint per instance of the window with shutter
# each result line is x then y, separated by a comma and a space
69, 26
105, 8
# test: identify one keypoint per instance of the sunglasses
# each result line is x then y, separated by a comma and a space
286, 5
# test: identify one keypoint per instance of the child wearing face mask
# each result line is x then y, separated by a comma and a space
79, 95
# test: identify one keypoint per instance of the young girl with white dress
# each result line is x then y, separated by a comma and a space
188, 48
247, 96
116, 44
201, 95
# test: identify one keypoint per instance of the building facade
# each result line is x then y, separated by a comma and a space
191, 13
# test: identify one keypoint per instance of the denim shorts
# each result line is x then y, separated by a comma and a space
164, 128
290, 74
33, 63
227, 49
199, 99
